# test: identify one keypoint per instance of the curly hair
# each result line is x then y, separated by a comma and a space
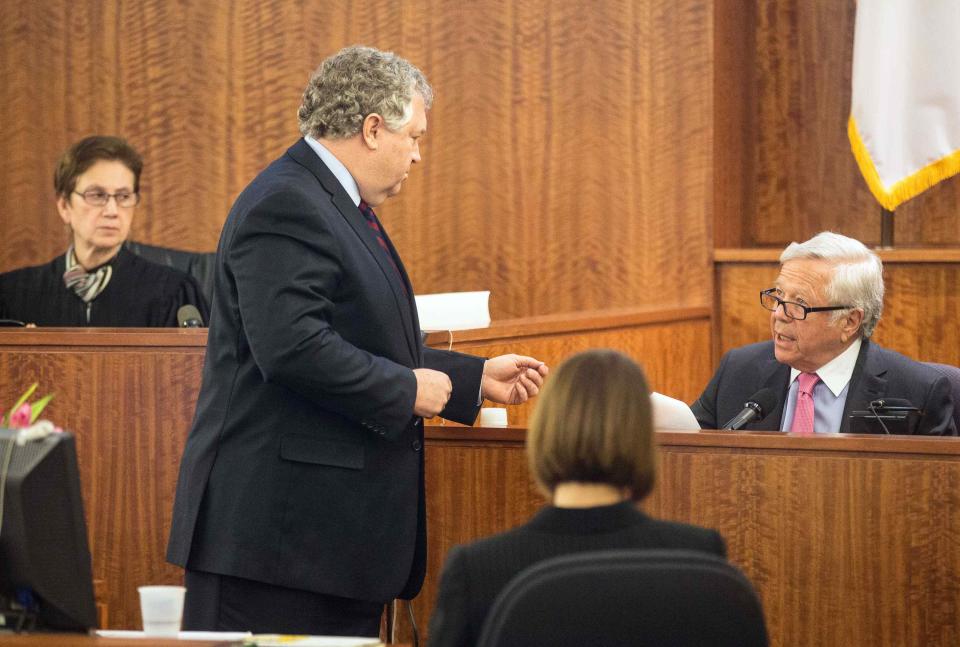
355, 82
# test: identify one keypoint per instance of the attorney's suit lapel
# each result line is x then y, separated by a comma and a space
306, 156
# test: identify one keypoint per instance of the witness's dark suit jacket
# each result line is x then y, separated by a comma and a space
474, 574
304, 465
878, 373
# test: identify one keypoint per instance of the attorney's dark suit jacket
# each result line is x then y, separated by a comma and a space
304, 464
878, 373
474, 574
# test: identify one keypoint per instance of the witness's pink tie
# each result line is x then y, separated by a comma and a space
803, 413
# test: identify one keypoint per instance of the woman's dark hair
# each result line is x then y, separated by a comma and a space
593, 423
87, 152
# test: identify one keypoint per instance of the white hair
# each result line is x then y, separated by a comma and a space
857, 274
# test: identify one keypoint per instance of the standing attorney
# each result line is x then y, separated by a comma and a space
300, 501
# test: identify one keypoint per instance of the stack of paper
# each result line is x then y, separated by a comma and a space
453, 310
672, 414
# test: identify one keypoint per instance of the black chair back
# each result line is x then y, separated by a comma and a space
199, 265
952, 373
635, 598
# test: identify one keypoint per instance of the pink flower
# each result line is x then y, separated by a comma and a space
21, 417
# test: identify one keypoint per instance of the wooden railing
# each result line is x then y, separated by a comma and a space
129, 395
849, 540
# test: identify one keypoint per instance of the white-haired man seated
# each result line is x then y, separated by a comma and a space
820, 365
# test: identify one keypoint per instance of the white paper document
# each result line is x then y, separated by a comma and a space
183, 635
672, 414
259, 640
453, 310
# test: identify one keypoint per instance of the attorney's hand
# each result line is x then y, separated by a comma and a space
512, 379
433, 391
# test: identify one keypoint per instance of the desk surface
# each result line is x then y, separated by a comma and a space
80, 640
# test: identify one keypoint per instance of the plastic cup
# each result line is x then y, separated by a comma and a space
493, 417
162, 610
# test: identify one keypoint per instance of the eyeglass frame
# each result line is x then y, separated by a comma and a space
781, 303
136, 195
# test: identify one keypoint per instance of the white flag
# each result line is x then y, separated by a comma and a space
904, 124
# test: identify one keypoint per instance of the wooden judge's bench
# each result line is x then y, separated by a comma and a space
849, 540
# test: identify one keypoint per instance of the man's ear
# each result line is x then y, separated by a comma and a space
373, 124
851, 323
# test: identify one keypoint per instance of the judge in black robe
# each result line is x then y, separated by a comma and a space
140, 293
96, 282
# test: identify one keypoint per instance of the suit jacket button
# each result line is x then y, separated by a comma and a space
416, 445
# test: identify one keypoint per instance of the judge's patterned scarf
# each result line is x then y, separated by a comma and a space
87, 285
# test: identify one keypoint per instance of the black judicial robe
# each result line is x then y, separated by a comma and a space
140, 294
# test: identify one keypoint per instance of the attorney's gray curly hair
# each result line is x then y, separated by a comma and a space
355, 82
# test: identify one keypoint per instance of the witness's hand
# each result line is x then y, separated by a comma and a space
433, 391
512, 379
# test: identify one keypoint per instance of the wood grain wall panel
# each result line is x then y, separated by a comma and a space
742, 320
920, 313
806, 179
848, 541
567, 167
734, 122
931, 219
826, 579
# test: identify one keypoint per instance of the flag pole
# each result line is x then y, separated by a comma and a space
886, 228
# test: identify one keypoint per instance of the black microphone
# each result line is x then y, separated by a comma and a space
893, 404
892, 408
13, 323
757, 407
189, 317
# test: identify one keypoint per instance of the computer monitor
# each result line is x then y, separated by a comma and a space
45, 577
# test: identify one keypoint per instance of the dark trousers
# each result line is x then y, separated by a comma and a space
224, 603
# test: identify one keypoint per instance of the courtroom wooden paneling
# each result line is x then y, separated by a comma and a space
920, 313
129, 395
567, 167
129, 398
784, 170
672, 345
848, 540
734, 121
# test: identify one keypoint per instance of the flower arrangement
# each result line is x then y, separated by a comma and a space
24, 416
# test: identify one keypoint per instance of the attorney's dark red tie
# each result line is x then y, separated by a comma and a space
374, 225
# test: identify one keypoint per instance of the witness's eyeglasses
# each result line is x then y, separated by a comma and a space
770, 301
98, 198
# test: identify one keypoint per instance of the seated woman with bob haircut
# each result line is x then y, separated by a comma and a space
591, 451
97, 282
